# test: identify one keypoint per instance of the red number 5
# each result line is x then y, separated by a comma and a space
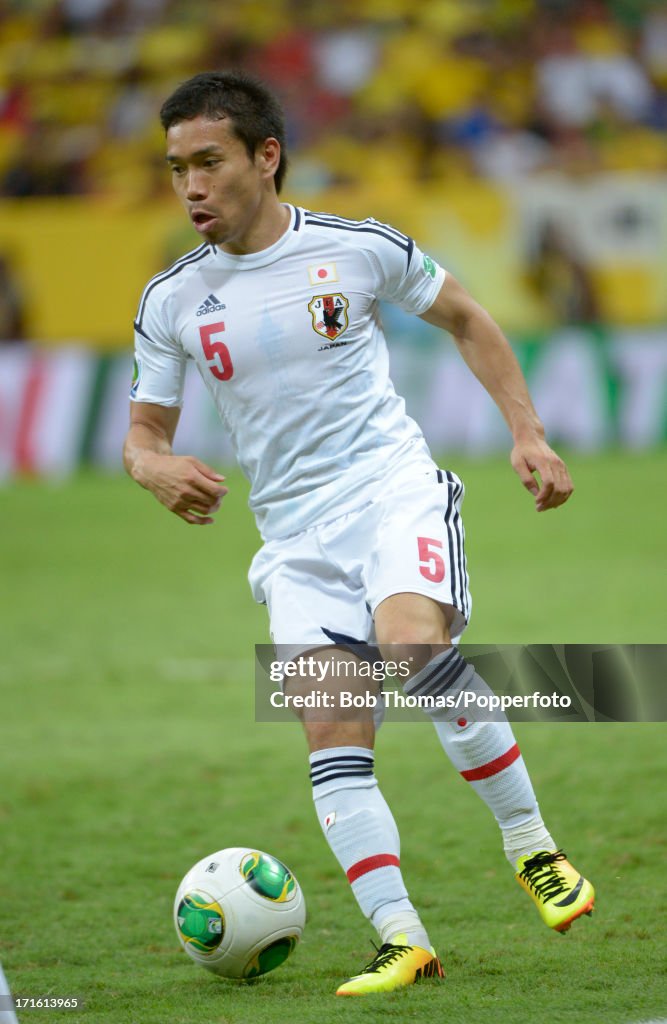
216, 352
431, 565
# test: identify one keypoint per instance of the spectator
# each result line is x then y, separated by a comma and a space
560, 278
12, 319
540, 84
50, 163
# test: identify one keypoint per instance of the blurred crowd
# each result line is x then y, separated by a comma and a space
375, 90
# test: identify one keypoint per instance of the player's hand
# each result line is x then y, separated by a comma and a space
536, 457
187, 487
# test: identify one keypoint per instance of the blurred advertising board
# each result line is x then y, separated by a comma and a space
65, 407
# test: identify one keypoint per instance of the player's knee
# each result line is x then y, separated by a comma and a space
414, 642
412, 627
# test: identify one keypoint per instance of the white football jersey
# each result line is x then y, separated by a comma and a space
290, 345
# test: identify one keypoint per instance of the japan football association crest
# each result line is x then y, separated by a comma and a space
329, 313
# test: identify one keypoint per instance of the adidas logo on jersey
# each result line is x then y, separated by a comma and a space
210, 305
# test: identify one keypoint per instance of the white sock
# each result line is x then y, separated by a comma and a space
406, 927
525, 839
362, 834
485, 753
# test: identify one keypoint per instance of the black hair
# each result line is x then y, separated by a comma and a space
254, 112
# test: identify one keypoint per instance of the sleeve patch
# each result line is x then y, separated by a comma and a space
136, 377
429, 266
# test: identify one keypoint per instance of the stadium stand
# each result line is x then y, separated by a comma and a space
439, 89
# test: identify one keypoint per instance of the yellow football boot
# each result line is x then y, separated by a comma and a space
394, 966
559, 891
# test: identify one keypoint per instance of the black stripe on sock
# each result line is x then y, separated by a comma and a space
443, 668
359, 773
437, 687
342, 758
320, 769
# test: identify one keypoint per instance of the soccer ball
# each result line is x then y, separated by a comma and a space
239, 913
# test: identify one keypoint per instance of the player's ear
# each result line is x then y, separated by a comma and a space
267, 157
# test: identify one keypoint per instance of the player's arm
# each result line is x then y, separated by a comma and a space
488, 354
187, 487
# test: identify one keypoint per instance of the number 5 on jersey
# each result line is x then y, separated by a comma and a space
217, 354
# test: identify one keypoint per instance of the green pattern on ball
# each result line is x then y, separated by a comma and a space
271, 957
268, 876
201, 922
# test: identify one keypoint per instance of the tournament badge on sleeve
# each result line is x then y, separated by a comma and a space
136, 377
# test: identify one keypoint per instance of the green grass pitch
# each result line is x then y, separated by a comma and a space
129, 750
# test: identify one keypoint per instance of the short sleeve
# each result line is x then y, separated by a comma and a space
159, 360
406, 276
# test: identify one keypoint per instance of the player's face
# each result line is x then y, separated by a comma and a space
216, 180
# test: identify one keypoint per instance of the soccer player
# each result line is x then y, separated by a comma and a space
363, 538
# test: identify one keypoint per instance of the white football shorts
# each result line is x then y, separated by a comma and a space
322, 586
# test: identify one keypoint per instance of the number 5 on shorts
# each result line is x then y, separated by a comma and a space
431, 564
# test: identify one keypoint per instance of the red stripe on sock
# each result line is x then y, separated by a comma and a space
492, 767
362, 867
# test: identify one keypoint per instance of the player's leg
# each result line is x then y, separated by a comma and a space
485, 753
412, 626
420, 597
361, 830
355, 819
